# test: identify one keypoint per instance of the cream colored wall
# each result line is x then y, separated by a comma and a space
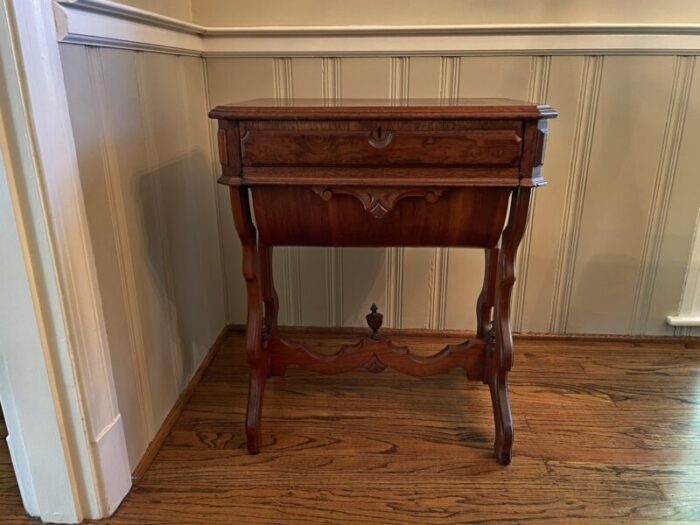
180, 9
445, 12
609, 236
145, 159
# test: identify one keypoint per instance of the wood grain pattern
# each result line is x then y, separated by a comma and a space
607, 433
377, 176
343, 221
256, 352
376, 354
378, 201
502, 360
380, 144
308, 139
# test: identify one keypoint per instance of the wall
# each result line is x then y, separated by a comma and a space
147, 170
180, 9
246, 13
610, 234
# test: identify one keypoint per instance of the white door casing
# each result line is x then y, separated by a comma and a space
75, 465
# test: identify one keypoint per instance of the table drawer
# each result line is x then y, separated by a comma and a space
381, 144
389, 216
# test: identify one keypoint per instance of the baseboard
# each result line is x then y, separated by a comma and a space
427, 332
112, 462
175, 412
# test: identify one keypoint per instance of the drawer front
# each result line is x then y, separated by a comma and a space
381, 144
354, 216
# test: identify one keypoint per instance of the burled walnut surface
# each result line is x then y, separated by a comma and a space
605, 433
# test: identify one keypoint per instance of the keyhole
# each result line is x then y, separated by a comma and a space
379, 137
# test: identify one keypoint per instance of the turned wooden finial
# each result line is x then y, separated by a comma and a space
374, 321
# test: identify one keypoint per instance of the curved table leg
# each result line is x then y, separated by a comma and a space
503, 444
269, 294
487, 297
257, 355
484, 309
256, 388
503, 362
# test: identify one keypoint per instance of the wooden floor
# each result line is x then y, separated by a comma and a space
605, 433
11, 510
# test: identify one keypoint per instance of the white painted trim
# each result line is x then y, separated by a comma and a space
113, 463
133, 14
681, 320
83, 22
689, 311
425, 41
29, 315
65, 292
21, 463
109, 24
23, 474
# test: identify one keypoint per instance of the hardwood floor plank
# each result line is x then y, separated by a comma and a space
607, 432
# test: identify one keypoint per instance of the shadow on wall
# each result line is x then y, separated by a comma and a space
182, 250
364, 283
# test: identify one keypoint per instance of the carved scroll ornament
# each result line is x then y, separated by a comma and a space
378, 201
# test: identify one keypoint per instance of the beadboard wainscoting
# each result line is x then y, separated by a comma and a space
609, 236
148, 175
598, 258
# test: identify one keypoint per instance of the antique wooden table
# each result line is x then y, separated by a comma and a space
368, 173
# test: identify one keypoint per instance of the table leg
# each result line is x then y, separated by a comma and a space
257, 355
487, 297
269, 294
498, 382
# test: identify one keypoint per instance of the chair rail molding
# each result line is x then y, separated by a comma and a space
50, 209
109, 24
689, 311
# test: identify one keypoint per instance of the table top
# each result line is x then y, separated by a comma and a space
366, 108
